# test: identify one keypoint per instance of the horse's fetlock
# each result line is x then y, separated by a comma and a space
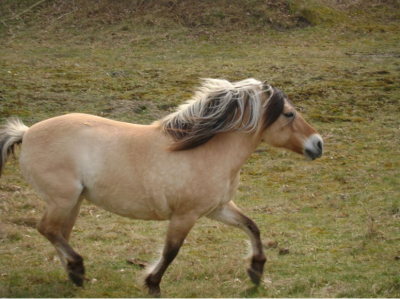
151, 280
78, 259
259, 259
257, 263
76, 265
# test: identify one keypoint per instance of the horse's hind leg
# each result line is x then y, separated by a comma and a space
69, 223
231, 215
56, 225
67, 227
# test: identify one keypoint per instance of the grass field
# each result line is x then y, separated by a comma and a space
337, 218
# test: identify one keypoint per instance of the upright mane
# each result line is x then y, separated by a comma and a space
221, 106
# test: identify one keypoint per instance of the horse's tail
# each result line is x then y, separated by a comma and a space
10, 134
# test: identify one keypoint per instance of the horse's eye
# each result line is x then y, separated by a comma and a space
289, 114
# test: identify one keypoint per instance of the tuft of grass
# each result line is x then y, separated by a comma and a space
314, 12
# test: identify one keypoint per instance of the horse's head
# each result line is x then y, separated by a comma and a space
284, 127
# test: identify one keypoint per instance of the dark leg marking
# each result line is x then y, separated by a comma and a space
75, 268
153, 280
231, 215
256, 269
257, 262
178, 228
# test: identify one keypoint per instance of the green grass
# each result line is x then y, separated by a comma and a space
339, 216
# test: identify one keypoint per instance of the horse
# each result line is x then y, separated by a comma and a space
180, 168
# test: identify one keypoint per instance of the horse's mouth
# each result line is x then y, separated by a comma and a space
314, 147
311, 155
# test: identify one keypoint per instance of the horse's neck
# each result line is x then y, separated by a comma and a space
232, 150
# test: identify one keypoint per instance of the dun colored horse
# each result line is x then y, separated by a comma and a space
179, 168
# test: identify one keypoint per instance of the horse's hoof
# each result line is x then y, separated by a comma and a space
76, 272
77, 279
254, 276
153, 286
155, 292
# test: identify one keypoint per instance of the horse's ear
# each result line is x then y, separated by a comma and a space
269, 88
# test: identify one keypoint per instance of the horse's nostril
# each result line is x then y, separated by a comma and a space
319, 144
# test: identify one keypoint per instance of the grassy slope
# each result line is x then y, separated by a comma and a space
339, 216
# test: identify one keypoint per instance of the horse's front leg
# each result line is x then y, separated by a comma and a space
231, 215
178, 229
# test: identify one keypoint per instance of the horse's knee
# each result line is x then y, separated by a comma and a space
46, 229
42, 229
76, 270
48, 233
257, 268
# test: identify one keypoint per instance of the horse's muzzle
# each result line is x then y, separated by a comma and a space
313, 147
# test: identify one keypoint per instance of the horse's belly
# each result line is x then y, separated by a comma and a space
131, 206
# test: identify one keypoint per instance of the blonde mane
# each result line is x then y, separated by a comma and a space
217, 106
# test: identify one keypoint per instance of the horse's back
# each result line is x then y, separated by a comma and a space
75, 149
69, 135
